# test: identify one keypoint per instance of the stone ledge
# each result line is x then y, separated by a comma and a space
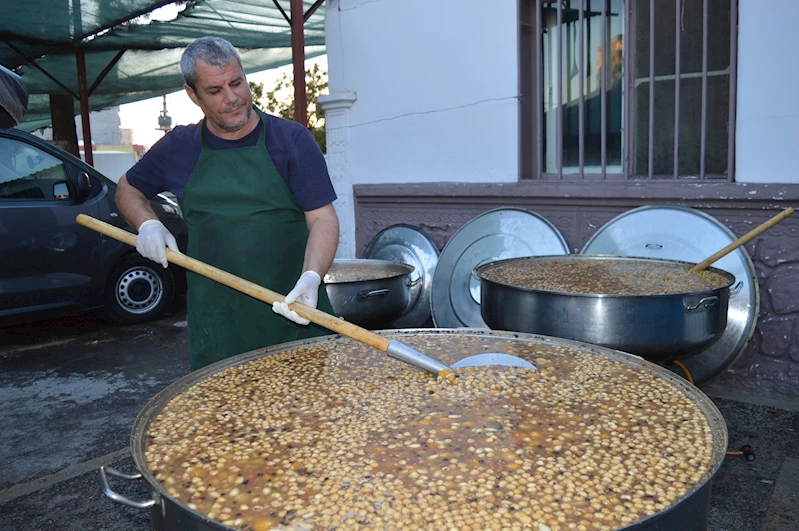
765, 195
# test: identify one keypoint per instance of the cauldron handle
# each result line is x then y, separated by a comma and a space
411, 283
118, 497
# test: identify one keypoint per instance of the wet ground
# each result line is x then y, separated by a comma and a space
70, 390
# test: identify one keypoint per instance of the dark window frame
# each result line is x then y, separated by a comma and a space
531, 102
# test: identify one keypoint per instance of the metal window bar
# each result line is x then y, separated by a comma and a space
539, 80
677, 71
603, 123
733, 88
559, 125
581, 101
651, 155
703, 126
628, 57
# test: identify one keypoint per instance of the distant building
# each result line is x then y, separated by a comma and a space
113, 146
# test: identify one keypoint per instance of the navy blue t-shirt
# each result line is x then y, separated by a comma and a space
168, 165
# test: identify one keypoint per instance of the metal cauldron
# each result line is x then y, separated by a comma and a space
688, 513
656, 327
373, 303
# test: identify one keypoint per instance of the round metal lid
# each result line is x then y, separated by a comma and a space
494, 235
409, 245
680, 233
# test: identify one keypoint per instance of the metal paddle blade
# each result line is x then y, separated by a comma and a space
494, 358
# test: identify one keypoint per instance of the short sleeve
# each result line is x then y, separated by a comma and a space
147, 175
308, 178
169, 163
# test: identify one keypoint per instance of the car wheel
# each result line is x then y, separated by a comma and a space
138, 290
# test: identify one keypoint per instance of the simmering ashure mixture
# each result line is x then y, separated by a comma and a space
337, 435
359, 274
603, 276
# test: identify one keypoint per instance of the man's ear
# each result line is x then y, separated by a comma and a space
192, 94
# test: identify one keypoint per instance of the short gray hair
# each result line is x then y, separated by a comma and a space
211, 50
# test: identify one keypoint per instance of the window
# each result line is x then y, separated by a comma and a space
627, 89
27, 172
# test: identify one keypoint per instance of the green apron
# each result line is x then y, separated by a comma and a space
242, 218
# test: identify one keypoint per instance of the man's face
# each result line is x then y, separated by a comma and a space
223, 95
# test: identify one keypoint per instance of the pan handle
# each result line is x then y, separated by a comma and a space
118, 497
367, 295
411, 283
705, 302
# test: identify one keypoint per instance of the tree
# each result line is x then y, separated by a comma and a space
280, 100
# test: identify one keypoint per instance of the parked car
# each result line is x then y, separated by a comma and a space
49, 265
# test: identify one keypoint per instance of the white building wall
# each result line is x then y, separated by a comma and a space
767, 125
428, 92
104, 126
435, 92
113, 164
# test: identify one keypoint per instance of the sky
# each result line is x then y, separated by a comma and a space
142, 116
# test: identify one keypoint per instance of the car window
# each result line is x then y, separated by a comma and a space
27, 172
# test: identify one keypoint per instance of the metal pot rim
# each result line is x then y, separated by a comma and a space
481, 269
401, 268
708, 408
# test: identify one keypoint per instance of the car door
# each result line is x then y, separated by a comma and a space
49, 264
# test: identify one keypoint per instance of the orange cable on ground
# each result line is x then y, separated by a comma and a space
682, 366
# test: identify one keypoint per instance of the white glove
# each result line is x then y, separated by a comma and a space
153, 239
306, 291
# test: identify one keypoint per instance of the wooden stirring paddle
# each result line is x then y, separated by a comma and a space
742, 240
394, 348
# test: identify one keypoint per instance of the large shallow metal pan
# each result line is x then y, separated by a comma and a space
687, 513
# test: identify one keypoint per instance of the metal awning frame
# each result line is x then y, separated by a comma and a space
296, 21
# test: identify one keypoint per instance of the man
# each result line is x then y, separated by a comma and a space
257, 200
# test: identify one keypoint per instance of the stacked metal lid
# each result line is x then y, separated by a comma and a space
444, 286
409, 245
494, 235
680, 233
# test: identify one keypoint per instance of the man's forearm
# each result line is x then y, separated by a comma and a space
322, 243
132, 204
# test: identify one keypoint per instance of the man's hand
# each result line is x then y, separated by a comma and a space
153, 239
306, 291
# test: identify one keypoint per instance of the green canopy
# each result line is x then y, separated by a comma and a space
134, 58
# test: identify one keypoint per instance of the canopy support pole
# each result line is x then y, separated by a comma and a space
84, 106
298, 60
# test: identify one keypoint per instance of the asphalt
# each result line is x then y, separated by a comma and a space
70, 390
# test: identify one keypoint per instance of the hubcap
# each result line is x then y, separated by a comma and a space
139, 290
